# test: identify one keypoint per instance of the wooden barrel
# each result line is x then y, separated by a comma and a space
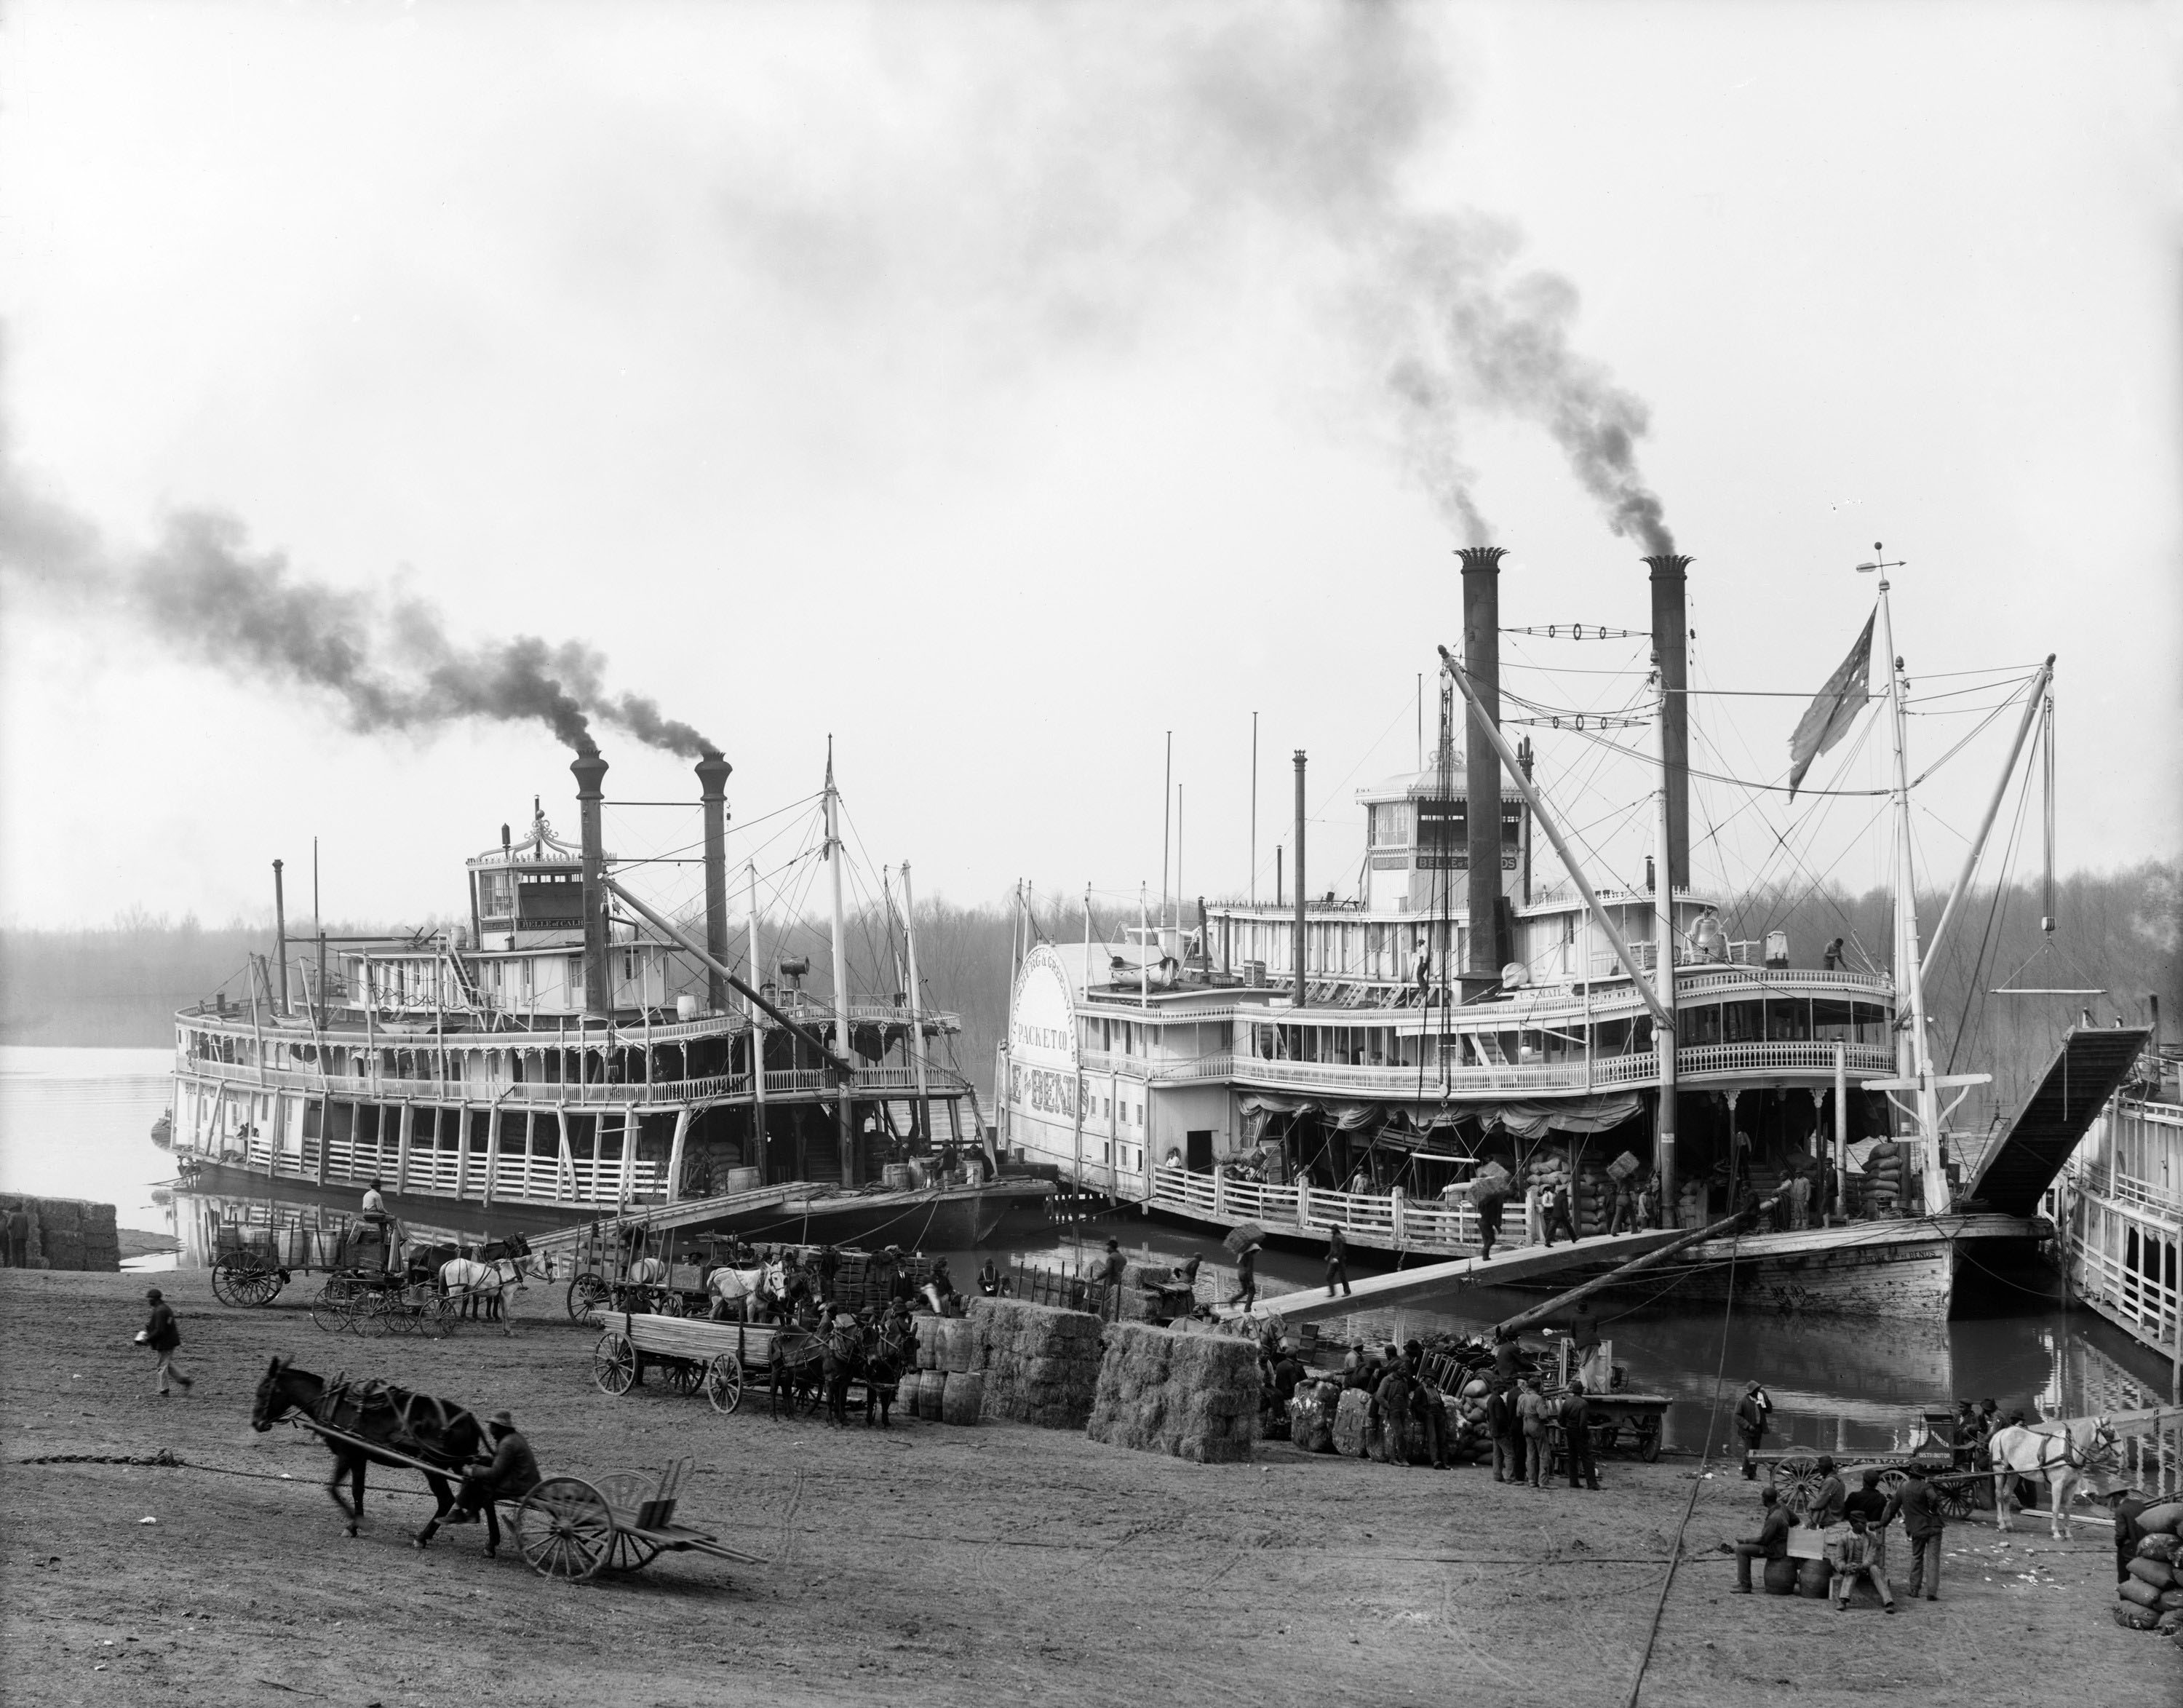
962, 1394
1781, 1576
931, 1389
1813, 1578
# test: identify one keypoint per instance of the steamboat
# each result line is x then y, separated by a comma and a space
571, 1052
2121, 1209
1361, 1060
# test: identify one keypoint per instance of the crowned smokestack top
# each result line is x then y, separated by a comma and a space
1671, 651
712, 784
1481, 663
591, 772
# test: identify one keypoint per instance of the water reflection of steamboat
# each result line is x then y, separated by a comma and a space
572, 1052
1354, 1060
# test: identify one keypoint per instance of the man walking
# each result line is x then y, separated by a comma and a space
1489, 1221
1531, 1415
1576, 1435
1247, 1276
1922, 1525
1623, 1217
1752, 1412
1558, 1215
1769, 1545
163, 1334
1337, 1259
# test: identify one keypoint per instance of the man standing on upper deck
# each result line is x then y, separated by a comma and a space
1799, 1190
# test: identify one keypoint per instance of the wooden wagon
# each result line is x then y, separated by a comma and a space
692, 1354
1959, 1487
1617, 1422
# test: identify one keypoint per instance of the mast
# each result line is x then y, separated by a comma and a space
1912, 1056
841, 1046
757, 1031
1663, 952
916, 1025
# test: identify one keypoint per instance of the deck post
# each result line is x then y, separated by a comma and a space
491, 1151
564, 1173
675, 1155
1220, 1191
461, 1150
325, 1132
405, 1126
1395, 1215
1303, 1202
628, 1153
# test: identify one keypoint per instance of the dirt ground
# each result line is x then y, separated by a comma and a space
923, 1566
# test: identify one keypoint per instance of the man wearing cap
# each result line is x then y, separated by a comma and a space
1752, 1412
509, 1474
1769, 1545
1576, 1436
1112, 1268
1834, 1493
163, 1334
1923, 1523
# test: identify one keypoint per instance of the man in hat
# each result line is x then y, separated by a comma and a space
1752, 1412
1834, 1494
1489, 1204
163, 1334
1853, 1556
1559, 1215
1531, 1420
2124, 1503
1337, 1259
1769, 1545
1112, 1268
1879, 1509
1923, 1523
374, 1208
509, 1473
1576, 1436
1247, 1276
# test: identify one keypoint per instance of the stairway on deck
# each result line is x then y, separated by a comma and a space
2087, 1069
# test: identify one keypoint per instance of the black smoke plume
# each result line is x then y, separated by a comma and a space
385, 663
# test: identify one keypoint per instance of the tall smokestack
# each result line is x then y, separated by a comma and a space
1299, 880
1481, 769
280, 932
591, 772
712, 780
1670, 646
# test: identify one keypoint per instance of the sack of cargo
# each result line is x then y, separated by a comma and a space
2136, 1589
1813, 1578
2171, 1600
1475, 1389
2135, 1618
2160, 1547
1489, 1182
1311, 1428
1623, 1166
1781, 1576
1351, 1418
2171, 1625
2151, 1571
2163, 1520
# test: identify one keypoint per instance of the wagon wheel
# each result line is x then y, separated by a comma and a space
615, 1366
1892, 1481
624, 1493
231, 1277
265, 1286
586, 1292
682, 1375
372, 1316
724, 1383
564, 1529
330, 1310
1648, 1439
1956, 1496
670, 1305
435, 1317
1799, 1480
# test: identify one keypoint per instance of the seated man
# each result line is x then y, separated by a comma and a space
1827, 1505
510, 1474
1851, 1557
1770, 1544
1877, 1508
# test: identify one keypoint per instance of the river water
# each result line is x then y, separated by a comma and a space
75, 1123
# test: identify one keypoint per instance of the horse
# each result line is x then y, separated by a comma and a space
435, 1431
737, 1290
794, 1366
889, 1346
482, 1281
2060, 1453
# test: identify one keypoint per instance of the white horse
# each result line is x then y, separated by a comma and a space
2060, 1453
734, 1290
480, 1283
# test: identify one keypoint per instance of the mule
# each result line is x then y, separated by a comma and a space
888, 1350
795, 1366
2060, 1454
418, 1426
738, 1291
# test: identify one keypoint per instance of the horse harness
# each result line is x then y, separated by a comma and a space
359, 1399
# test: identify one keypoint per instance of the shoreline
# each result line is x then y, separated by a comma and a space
923, 1565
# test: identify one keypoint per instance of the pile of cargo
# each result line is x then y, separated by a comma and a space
949, 1384
1879, 1187
58, 1233
1326, 1417
1038, 1365
1194, 1396
2151, 1592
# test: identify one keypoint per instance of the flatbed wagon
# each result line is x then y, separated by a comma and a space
694, 1354
1617, 1422
1960, 1484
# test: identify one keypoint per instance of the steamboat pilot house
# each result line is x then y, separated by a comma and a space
1357, 1058
520, 1061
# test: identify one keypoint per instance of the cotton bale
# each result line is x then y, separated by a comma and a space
2170, 1624
2171, 1600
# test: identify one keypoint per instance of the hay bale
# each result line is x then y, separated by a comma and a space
1193, 1396
1041, 1364
962, 1395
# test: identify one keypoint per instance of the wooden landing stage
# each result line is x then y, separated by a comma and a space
1522, 1264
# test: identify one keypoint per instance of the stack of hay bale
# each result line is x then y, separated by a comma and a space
66, 1232
1195, 1396
1151, 1293
2153, 1592
1311, 1411
1039, 1364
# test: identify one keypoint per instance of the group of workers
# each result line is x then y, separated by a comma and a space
1855, 1525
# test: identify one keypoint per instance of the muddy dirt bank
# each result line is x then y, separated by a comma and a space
922, 1566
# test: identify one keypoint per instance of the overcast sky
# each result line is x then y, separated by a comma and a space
999, 388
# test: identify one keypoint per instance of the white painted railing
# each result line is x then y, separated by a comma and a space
2150, 1303
1393, 1217
548, 1094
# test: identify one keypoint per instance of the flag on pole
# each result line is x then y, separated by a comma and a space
1827, 720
